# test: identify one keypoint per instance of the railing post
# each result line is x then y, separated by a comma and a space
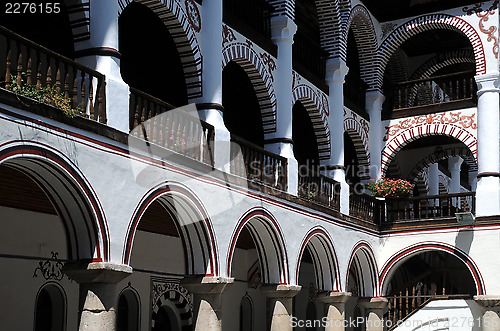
100, 52
374, 101
488, 145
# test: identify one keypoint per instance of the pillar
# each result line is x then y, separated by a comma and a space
473, 180
283, 29
210, 107
207, 301
374, 312
335, 310
336, 69
433, 179
100, 53
454, 164
490, 320
280, 304
98, 298
488, 145
374, 101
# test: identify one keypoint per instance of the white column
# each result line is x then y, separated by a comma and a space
283, 29
100, 53
490, 320
335, 310
488, 145
374, 101
433, 179
336, 69
280, 304
210, 104
473, 180
454, 164
374, 312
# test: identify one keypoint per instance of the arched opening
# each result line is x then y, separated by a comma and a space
305, 146
242, 116
351, 162
167, 318
311, 316
354, 87
50, 309
246, 313
128, 313
150, 62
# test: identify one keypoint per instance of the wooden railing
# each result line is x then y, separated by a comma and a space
256, 14
429, 207
435, 90
175, 130
309, 54
318, 188
366, 207
24, 62
257, 165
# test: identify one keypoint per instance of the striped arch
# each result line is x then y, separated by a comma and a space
70, 193
364, 264
174, 16
422, 126
269, 241
79, 18
316, 105
176, 300
439, 62
320, 247
192, 222
283, 8
425, 23
329, 22
463, 152
357, 129
261, 80
397, 259
364, 34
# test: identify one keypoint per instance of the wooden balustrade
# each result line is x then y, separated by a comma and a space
167, 127
24, 63
435, 90
366, 207
316, 187
258, 165
430, 207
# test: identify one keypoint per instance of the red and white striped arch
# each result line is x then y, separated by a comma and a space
363, 262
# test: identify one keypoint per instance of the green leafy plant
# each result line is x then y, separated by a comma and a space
386, 187
46, 95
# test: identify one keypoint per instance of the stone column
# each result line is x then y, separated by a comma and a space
335, 307
280, 303
283, 29
374, 101
374, 312
454, 164
433, 179
488, 145
336, 69
207, 308
490, 321
473, 180
100, 53
210, 107
98, 295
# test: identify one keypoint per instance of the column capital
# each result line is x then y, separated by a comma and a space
97, 272
336, 70
334, 297
374, 100
206, 285
282, 29
454, 163
487, 300
280, 291
373, 303
487, 83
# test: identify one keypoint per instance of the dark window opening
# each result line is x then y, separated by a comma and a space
305, 147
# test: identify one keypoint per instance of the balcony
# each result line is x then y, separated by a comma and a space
319, 189
435, 94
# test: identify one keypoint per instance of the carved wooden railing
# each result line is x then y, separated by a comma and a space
309, 54
27, 63
318, 188
366, 207
435, 90
429, 207
256, 14
175, 130
257, 165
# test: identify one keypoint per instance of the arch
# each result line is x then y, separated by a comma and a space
56, 307
261, 79
131, 317
70, 193
182, 28
246, 313
79, 19
463, 152
176, 302
330, 20
358, 130
399, 257
361, 24
325, 263
424, 23
453, 124
316, 104
439, 62
192, 222
269, 242
363, 259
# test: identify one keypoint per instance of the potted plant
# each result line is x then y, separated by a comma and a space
392, 188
